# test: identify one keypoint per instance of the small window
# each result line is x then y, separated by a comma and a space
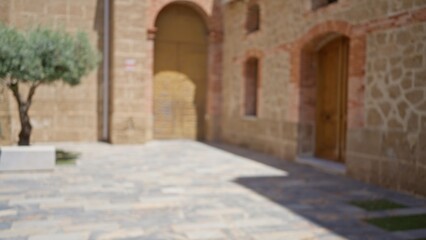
321, 3
253, 18
251, 87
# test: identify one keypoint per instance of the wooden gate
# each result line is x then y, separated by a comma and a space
180, 67
332, 100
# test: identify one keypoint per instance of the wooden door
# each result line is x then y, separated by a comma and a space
331, 120
180, 68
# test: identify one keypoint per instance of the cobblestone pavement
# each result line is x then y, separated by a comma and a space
188, 190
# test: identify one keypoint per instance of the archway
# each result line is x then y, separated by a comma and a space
180, 72
324, 97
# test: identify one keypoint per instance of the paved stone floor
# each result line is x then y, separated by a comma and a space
188, 190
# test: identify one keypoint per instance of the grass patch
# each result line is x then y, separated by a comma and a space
377, 205
400, 223
65, 157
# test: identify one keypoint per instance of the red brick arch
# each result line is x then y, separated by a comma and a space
253, 53
253, 16
210, 11
301, 51
250, 55
204, 8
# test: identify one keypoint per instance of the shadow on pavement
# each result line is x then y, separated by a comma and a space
319, 197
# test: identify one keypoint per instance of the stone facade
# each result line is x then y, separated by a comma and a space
395, 108
386, 124
59, 113
386, 117
133, 38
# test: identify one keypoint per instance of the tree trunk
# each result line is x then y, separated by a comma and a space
24, 106
25, 134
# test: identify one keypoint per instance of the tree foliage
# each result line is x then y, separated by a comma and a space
42, 56
45, 55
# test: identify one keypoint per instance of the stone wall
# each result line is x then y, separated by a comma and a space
4, 11
5, 130
385, 94
391, 146
134, 34
130, 104
59, 112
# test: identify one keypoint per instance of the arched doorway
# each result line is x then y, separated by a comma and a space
180, 72
331, 101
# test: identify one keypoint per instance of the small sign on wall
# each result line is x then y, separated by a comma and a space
130, 64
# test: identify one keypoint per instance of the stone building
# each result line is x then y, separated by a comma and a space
341, 80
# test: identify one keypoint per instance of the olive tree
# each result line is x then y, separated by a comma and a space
38, 57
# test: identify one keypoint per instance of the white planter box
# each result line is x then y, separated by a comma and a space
27, 158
